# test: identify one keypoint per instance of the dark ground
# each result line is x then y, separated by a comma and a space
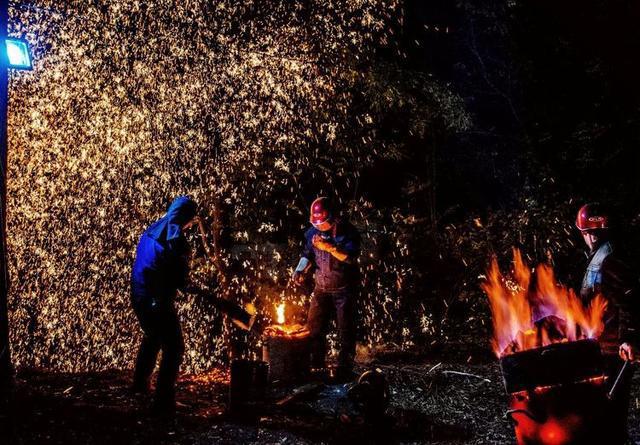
430, 404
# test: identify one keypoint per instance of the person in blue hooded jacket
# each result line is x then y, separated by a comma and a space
161, 268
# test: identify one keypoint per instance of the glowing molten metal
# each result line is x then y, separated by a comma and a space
527, 316
286, 349
285, 329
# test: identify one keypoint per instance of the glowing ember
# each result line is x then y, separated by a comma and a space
280, 313
283, 329
215, 375
286, 330
526, 317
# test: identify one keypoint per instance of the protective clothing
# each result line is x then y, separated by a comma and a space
162, 258
592, 280
161, 268
161, 331
336, 284
591, 217
321, 212
322, 307
329, 272
608, 275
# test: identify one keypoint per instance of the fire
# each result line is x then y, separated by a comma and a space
527, 316
280, 313
284, 329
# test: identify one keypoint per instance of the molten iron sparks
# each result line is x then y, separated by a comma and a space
527, 317
215, 375
100, 128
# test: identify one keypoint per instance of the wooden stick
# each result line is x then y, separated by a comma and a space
466, 374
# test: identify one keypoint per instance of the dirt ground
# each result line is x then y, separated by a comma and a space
457, 401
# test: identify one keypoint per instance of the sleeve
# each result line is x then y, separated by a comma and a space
182, 272
307, 250
178, 263
621, 286
351, 246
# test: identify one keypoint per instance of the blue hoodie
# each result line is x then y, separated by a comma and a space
162, 258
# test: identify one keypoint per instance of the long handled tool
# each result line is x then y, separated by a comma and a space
615, 384
203, 237
243, 317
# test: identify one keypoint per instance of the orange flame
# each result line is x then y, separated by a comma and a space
282, 329
527, 318
280, 313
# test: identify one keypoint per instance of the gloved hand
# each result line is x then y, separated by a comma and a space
627, 352
298, 278
322, 244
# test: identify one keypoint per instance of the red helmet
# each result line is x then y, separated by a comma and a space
592, 217
321, 212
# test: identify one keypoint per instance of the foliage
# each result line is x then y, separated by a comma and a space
251, 107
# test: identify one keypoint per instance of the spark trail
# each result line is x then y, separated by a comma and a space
243, 105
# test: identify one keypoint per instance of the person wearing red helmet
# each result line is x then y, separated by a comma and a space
606, 274
159, 272
331, 249
609, 276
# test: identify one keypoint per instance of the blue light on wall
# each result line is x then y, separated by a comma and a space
18, 54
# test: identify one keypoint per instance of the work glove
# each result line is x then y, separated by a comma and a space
298, 274
322, 244
627, 352
298, 278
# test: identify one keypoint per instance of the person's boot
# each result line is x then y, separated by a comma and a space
139, 388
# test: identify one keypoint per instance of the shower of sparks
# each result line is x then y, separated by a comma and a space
240, 104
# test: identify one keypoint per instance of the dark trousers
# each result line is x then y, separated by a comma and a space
162, 332
618, 410
323, 305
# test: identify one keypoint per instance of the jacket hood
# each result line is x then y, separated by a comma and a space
181, 211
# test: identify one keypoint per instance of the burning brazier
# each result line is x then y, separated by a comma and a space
286, 349
552, 365
557, 394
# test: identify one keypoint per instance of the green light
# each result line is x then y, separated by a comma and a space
18, 54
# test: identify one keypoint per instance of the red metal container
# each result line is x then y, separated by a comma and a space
557, 394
